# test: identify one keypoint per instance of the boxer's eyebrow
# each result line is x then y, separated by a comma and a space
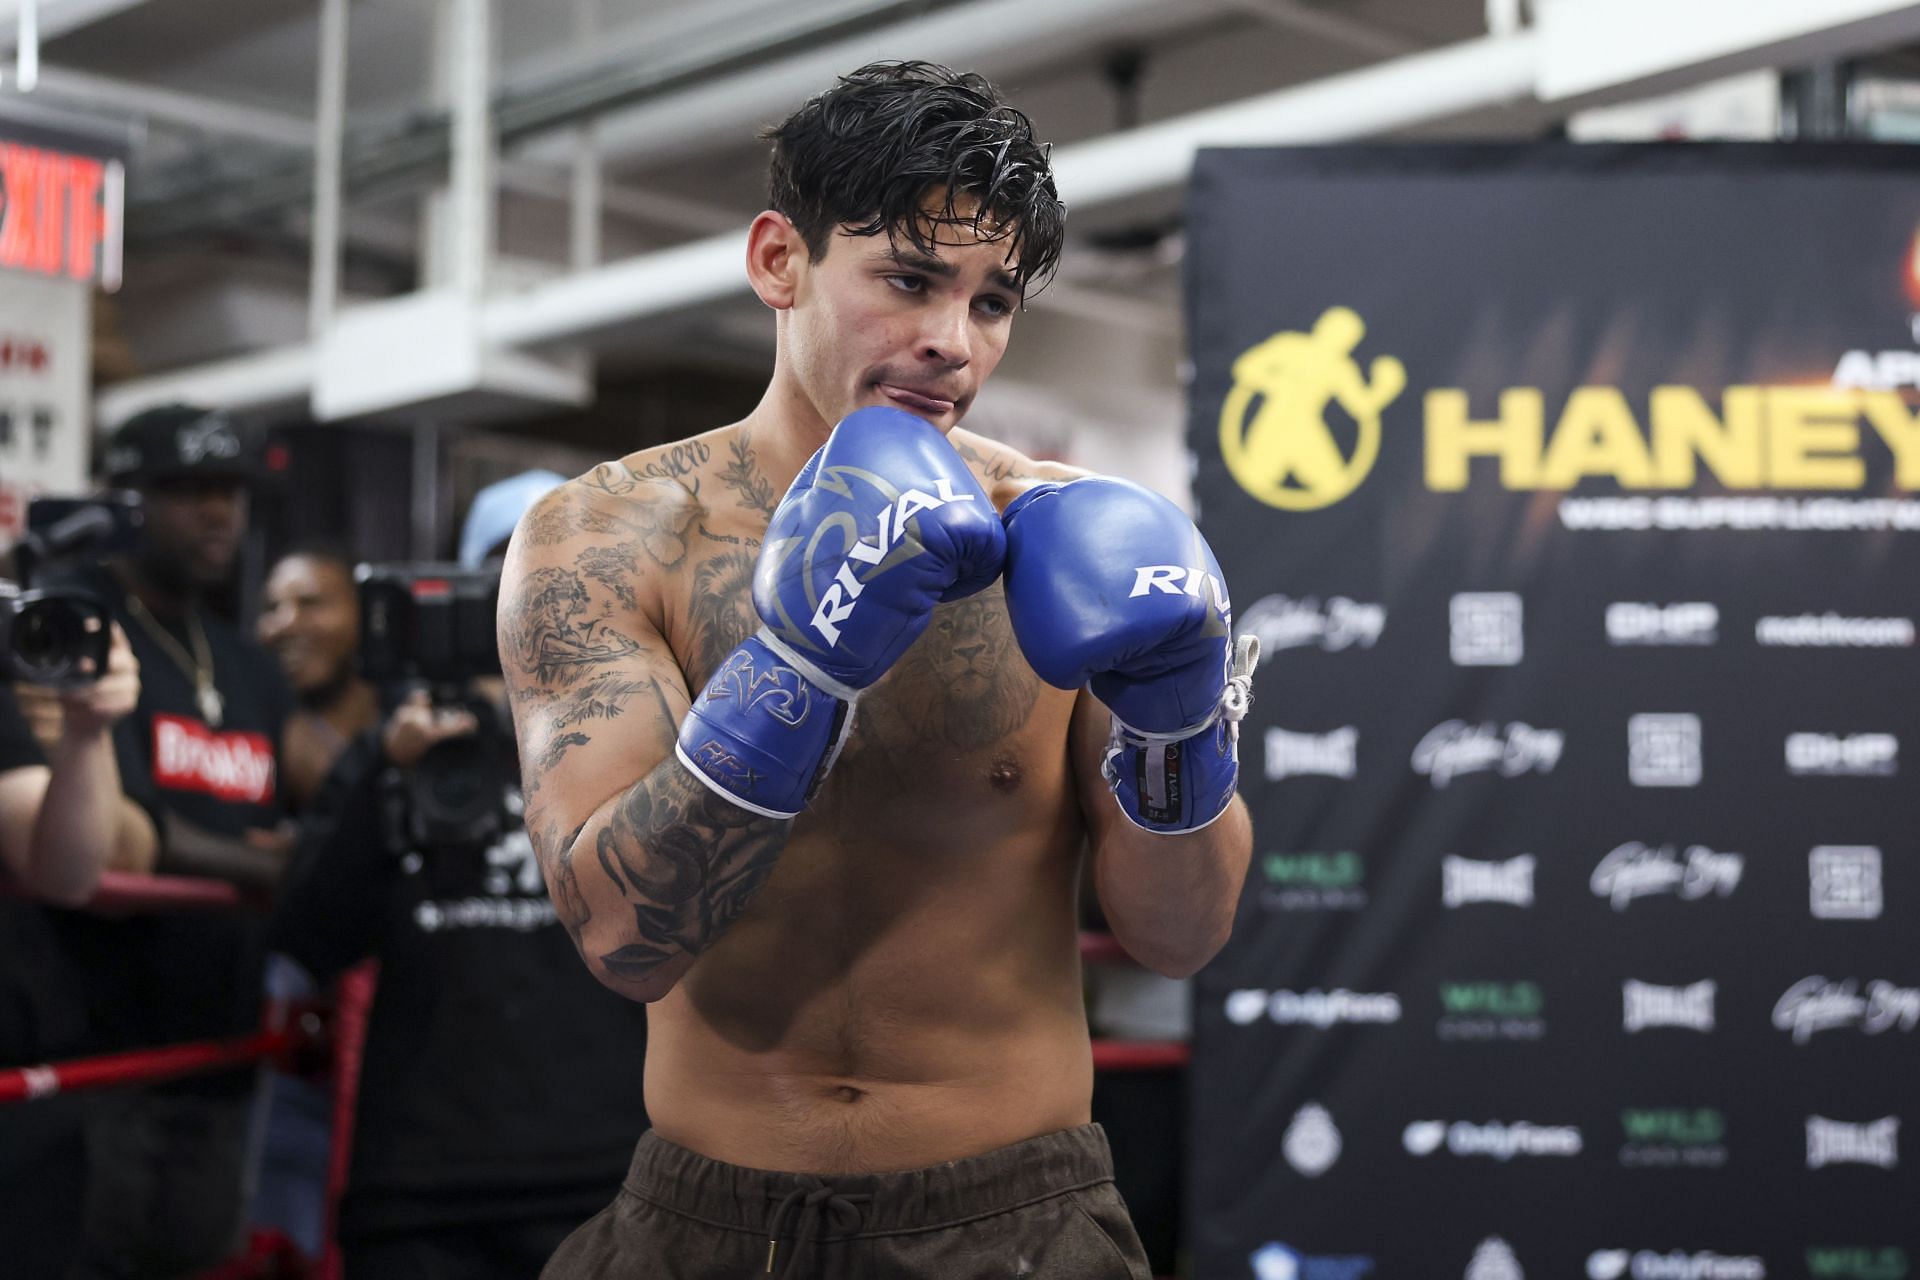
927, 264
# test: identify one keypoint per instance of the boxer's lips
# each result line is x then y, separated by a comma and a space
918, 401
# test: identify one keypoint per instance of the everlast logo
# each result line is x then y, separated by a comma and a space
1689, 1008
188, 756
1470, 880
838, 600
1840, 1142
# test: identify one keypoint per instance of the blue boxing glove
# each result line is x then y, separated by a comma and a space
883, 523
1110, 586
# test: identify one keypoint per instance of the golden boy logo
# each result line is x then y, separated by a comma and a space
1273, 427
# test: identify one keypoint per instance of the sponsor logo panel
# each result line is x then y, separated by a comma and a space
1635, 870
1307, 622
1312, 1142
1486, 629
1497, 1140
1832, 631
1647, 1005
1455, 747
1675, 1264
1673, 1137
1276, 1261
1872, 1142
1313, 1008
1313, 881
1483, 1010
1326, 755
1469, 881
1692, 622
1663, 750
1817, 1004
1844, 882
1836, 755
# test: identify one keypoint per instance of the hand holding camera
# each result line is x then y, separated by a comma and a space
417, 725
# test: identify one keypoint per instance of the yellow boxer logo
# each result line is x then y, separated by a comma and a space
1273, 426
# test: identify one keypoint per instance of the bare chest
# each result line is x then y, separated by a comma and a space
961, 720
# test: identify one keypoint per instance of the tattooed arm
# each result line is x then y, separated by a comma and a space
646, 867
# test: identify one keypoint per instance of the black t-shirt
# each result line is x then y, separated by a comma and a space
170, 977
499, 1079
40, 1006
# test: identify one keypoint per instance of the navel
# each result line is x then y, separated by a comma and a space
848, 1094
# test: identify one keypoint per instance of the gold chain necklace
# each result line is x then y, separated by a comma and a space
197, 666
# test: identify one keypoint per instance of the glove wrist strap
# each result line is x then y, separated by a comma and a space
762, 734
1177, 783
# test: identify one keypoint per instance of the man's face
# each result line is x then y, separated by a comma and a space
193, 528
311, 621
876, 321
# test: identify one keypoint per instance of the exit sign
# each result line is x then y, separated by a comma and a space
61, 213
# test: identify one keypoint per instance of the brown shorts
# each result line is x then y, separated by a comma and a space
1045, 1207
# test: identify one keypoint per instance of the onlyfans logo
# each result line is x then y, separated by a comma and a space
1612, 1264
1495, 1139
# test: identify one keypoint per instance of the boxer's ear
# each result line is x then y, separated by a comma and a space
776, 255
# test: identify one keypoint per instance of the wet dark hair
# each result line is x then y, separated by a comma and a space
865, 153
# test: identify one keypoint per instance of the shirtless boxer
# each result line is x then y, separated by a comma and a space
844, 876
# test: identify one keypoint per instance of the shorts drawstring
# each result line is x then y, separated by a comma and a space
814, 1197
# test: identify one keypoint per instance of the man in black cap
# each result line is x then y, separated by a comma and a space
201, 754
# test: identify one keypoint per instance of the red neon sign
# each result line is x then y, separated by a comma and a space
60, 214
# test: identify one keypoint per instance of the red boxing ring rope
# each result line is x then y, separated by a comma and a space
141, 1066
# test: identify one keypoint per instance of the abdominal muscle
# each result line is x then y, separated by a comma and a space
872, 1022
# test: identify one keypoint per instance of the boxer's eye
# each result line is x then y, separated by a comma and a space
907, 284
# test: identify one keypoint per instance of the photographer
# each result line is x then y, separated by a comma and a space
61, 824
200, 754
467, 1160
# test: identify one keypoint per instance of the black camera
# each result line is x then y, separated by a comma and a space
427, 622
60, 636
432, 625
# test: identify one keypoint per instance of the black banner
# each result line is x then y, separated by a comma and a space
1568, 489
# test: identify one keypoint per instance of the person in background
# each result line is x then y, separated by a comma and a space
201, 754
63, 820
466, 1160
311, 622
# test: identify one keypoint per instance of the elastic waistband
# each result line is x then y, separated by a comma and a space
942, 1195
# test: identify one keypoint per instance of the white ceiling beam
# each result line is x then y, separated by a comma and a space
1647, 46
1328, 25
57, 17
730, 108
170, 106
1377, 99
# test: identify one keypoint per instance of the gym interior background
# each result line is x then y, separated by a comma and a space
426, 244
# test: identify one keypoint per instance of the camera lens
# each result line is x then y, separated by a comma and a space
49, 639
